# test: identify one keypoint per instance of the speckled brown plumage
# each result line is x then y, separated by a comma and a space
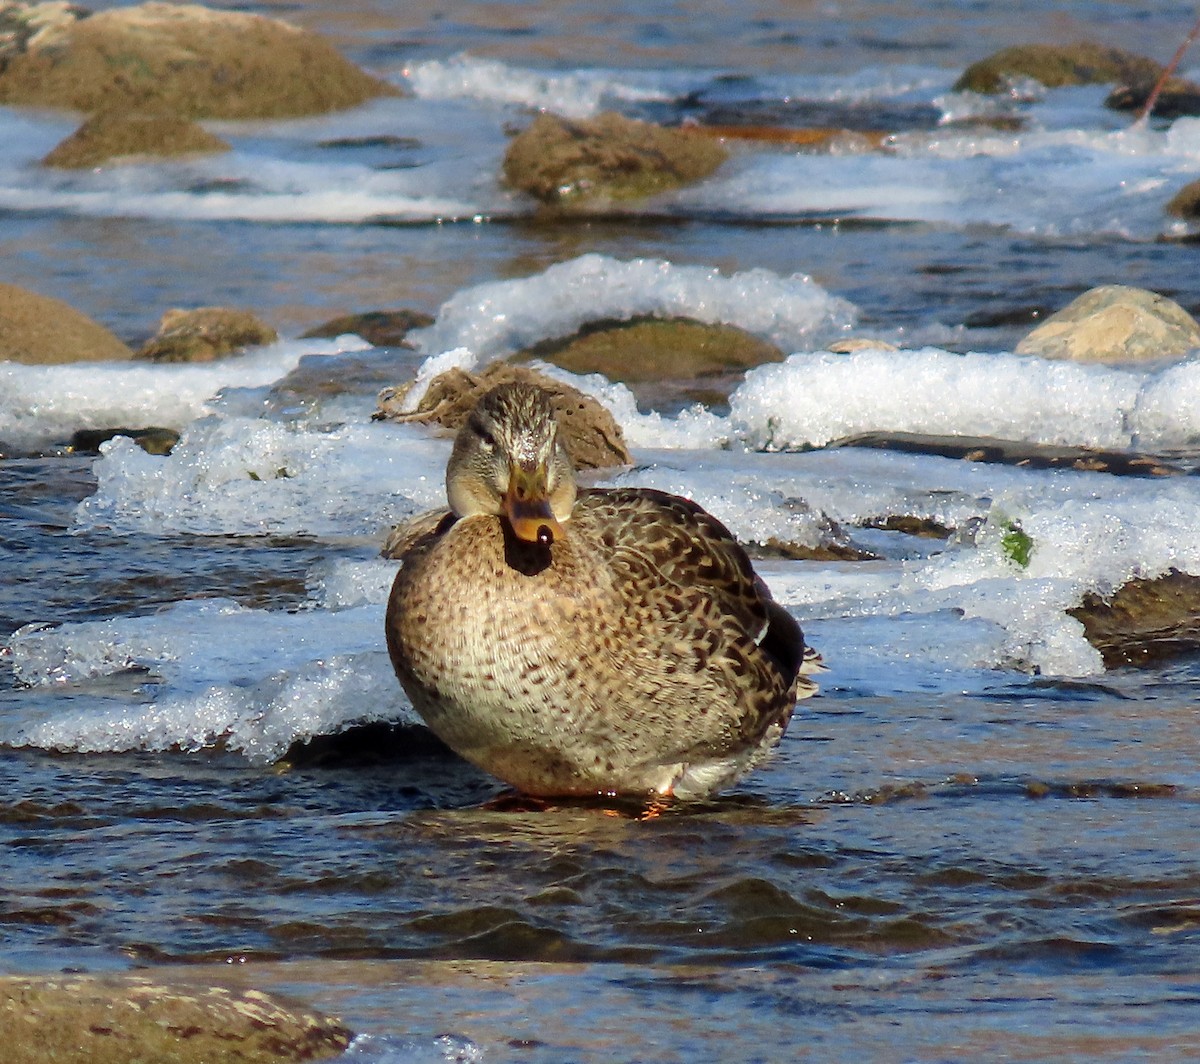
637, 653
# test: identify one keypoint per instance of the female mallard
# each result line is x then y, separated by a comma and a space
582, 642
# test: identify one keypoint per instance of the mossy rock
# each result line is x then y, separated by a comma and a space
79, 1019
1115, 323
653, 349
383, 328
593, 438
562, 161
110, 135
1145, 621
1082, 63
205, 334
1186, 202
43, 331
187, 60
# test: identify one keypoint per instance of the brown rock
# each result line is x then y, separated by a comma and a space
44, 331
651, 349
609, 157
204, 334
187, 60
109, 135
593, 438
31, 25
1186, 202
383, 328
119, 1019
1144, 621
1083, 63
1177, 98
1114, 323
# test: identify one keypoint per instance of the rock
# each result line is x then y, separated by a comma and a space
204, 334
1186, 202
118, 1019
182, 59
44, 331
815, 139
1115, 323
110, 135
383, 328
1177, 98
609, 157
30, 25
593, 438
651, 349
154, 439
849, 344
1083, 63
1017, 453
1144, 621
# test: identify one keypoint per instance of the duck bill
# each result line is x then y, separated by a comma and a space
527, 507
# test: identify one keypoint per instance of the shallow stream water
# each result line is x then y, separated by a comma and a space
975, 843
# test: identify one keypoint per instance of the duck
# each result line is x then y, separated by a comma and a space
583, 642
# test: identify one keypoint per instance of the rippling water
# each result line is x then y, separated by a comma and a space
974, 843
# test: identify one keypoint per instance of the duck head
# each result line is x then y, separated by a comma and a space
508, 461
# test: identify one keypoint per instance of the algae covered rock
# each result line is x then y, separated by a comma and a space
44, 331
609, 157
1144, 621
593, 438
651, 349
111, 135
1082, 63
204, 334
79, 1019
1115, 323
182, 59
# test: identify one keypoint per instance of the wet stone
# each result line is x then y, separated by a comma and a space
1082, 63
593, 438
1115, 323
562, 161
204, 334
1145, 621
110, 135
383, 328
122, 1019
650, 349
186, 60
41, 330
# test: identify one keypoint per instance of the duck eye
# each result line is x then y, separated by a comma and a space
486, 440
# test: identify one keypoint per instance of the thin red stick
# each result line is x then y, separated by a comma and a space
1168, 70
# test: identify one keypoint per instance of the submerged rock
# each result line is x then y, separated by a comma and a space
1115, 323
204, 334
80, 1019
609, 157
1082, 63
111, 135
651, 349
1144, 621
592, 436
182, 59
44, 331
383, 328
